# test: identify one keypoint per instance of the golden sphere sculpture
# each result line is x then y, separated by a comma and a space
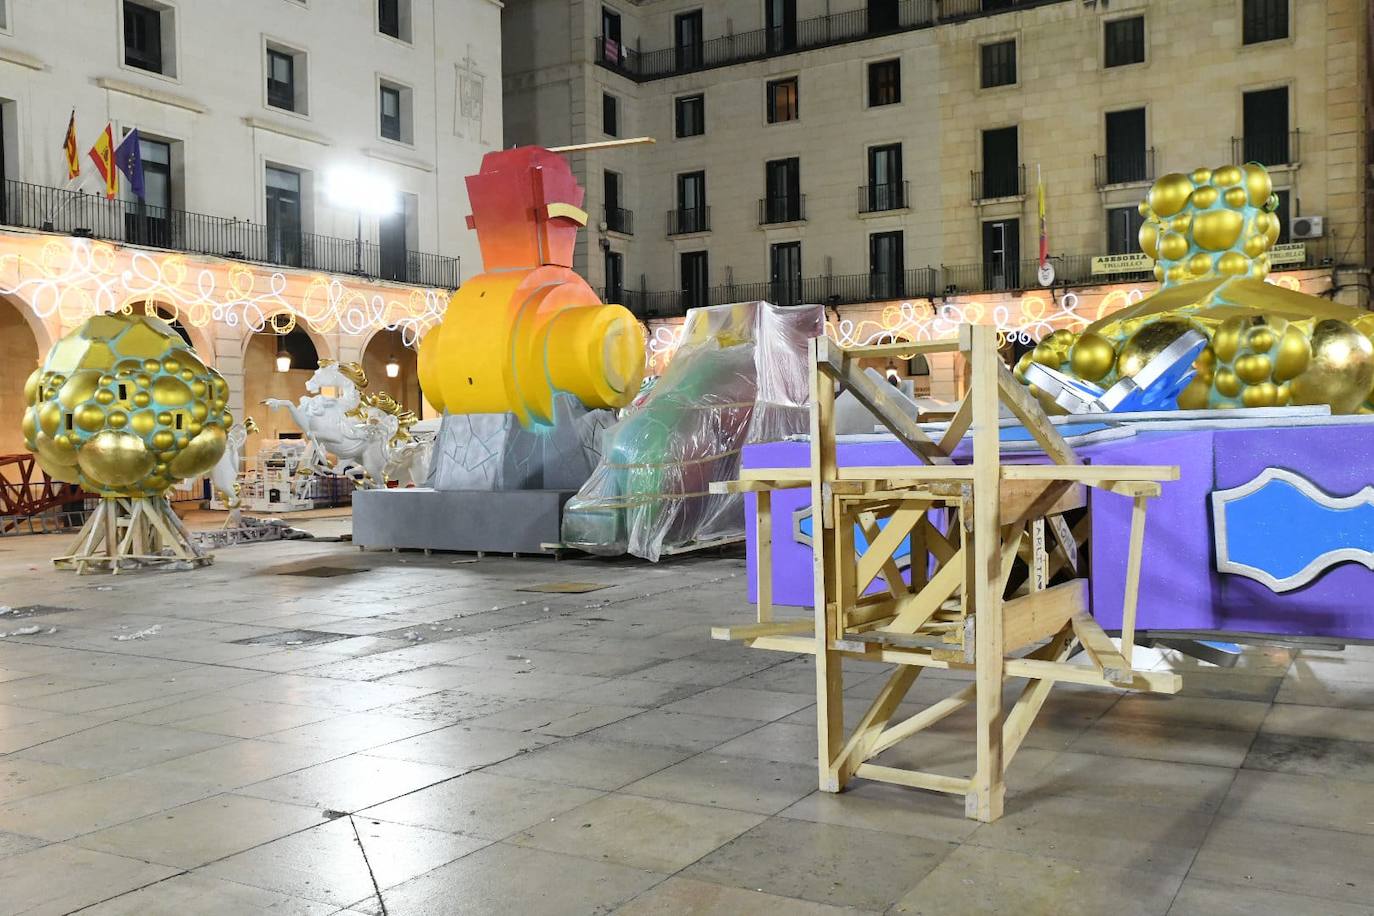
1217, 222
123, 406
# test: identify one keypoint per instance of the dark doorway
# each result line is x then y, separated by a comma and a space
780, 19
886, 267
283, 216
391, 245
688, 40
882, 15
1002, 254
785, 272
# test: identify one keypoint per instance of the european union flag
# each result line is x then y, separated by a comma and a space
129, 160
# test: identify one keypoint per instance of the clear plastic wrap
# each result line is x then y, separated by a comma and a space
738, 377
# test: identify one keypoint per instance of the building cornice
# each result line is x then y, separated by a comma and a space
286, 130
387, 155
152, 95
20, 59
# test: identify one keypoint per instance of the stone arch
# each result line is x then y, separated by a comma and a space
381, 347
20, 354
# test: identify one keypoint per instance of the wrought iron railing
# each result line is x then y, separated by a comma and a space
818, 32
1267, 147
788, 208
618, 219
876, 198
692, 219
1005, 182
93, 216
913, 283
1122, 168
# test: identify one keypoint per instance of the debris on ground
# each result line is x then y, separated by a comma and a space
141, 634
22, 631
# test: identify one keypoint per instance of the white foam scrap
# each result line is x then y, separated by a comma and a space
141, 634
5, 609
24, 631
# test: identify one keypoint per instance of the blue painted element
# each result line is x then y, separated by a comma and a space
802, 534
1067, 430
1283, 530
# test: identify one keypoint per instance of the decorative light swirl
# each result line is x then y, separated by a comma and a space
77, 278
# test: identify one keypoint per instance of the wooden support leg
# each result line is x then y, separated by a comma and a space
763, 552
1132, 597
860, 745
829, 675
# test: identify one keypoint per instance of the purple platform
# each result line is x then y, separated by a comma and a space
1180, 588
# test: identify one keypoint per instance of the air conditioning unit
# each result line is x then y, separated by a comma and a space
1305, 227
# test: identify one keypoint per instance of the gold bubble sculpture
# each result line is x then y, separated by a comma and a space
1210, 233
124, 407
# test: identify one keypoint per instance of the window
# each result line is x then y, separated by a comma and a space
390, 104
1001, 163
1264, 20
1126, 153
148, 221
393, 18
690, 120
147, 37
617, 218
1123, 230
392, 243
281, 79
782, 202
695, 279
1002, 254
785, 273
884, 83
1266, 127
999, 64
687, 40
1124, 42
886, 268
782, 100
610, 36
615, 277
610, 115
692, 214
283, 216
780, 23
886, 190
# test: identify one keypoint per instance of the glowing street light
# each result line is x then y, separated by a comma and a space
393, 368
283, 357
363, 193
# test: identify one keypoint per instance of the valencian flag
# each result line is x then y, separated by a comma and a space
102, 154
129, 160
69, 147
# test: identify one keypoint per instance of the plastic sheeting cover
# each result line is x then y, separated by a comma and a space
738, 377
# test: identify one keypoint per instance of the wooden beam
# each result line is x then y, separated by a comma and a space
1040, 615
821, 471
882, 544
602, 144
769, 628
928, 600
763, 554
1148, 681
916, 779
1028, 410
904, 348
1033, 696
1132, 597
1100, 649
881, 401
958, 425
1092, 474
922, 720
874, 721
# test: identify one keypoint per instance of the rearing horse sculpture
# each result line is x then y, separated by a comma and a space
361, 431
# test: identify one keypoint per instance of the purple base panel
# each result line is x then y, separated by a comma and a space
1180, 588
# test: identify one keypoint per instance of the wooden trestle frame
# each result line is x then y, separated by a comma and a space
968, 524
132, 531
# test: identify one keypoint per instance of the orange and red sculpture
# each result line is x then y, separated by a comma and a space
528, 327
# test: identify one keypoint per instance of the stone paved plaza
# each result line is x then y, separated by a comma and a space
417, 735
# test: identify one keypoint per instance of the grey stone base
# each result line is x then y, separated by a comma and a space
501, 521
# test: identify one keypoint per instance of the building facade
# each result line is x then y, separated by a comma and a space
879, 154
303, 168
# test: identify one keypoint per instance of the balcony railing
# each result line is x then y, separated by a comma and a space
618, 219
1124, 168
876, 198
1006, 182
818, 32
1268, 148
912, 283
91, 215
693, 219
788, 209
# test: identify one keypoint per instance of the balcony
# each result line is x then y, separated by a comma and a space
788, 209
878, 198
1009, 181
682, 221
92, 216
819, 32
1267, 148
913, 283
618, 219
1125, 168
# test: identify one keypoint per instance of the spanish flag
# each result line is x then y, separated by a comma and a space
69, 147
103, 156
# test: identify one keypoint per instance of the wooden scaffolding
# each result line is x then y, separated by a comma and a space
969, 523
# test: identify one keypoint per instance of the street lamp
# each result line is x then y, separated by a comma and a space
283, 356
393, 368
363, 193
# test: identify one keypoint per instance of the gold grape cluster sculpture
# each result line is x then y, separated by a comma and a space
1210, 234
123, 406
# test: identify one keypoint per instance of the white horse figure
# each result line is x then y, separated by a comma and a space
224, 476
361, 432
